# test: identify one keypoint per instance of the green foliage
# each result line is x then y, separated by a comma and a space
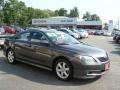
15, 12
88, 17
74, 12
61, 12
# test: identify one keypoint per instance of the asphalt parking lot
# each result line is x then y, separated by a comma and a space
25, 77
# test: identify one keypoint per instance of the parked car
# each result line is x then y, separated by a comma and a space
114, 37
83, 33
90, 32
58, 52
2, 39
114, 33
107, 33
76, 31
117, 39
9, 29
17, 28
98, 32
73, 34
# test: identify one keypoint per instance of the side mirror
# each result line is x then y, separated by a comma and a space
45, 43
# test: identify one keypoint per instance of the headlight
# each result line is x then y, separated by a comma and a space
87, 60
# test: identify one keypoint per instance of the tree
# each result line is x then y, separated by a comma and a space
6, 12
1, 17
16, 12
11, 11
61, 12
95, 17
56, 12
49, 12
74, 12
91, 17
87, 16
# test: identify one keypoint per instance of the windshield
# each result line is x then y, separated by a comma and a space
60, 38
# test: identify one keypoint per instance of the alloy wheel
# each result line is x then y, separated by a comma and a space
62, 70
10, 56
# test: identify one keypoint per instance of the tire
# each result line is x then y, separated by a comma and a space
63, 70
11, 56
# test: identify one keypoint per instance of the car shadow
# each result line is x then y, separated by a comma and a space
38, 75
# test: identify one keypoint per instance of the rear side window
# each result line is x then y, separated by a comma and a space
24, 36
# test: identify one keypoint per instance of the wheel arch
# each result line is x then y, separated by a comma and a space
60, 57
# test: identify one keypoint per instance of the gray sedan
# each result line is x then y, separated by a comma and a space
58, 52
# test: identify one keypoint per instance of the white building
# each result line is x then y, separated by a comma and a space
60, 22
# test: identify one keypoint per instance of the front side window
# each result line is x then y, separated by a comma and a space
37, 36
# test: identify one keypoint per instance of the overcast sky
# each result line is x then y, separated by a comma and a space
106, 9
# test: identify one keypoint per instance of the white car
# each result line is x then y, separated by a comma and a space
73, 34
107, 33
83, 33
76, 35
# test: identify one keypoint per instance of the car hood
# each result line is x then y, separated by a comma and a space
84, 49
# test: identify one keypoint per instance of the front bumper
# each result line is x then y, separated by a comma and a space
91, 71
93, 74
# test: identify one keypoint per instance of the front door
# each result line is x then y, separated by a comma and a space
41, 52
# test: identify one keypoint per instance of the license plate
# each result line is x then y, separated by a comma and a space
107, 66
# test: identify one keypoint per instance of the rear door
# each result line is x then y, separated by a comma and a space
22, 46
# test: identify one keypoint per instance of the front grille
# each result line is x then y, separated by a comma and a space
103, 59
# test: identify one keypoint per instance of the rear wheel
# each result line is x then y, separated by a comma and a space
63, 69
11, 56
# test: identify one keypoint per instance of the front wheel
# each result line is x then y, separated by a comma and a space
63, 69
11, 56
